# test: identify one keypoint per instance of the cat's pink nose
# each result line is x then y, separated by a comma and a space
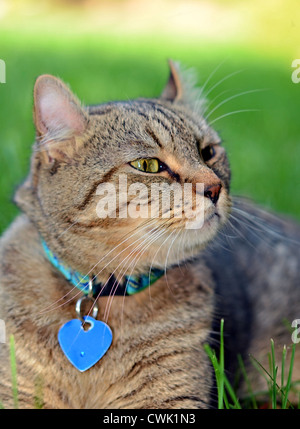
212, 192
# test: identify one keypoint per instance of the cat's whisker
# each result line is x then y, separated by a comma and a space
125, 269
232, 98
217, 242
227, 234
160, 232
256, 231
145, 224
156, 235
243, 236
158, 251
149, 282
238, 201
48, 308
139, 256
233, 113
184, 257
111, 260
222, 80
150, 269
153, 261
181, 247
248, 221
236, 207
211, 102
166, 260
67, 229
140, 238
210, 76
134, 262
256, 224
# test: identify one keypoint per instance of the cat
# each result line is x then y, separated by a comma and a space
157, 358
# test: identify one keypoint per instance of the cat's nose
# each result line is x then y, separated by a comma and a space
212, 192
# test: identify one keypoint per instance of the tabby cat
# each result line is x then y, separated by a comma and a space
242, 264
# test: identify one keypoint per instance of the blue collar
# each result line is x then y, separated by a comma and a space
130, 286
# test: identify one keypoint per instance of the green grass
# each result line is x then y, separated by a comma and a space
37, 400
278, 392
226, 395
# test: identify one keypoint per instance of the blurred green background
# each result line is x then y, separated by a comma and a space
107, 50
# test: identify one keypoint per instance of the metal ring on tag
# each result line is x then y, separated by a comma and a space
90, 292
85, 297
78, 307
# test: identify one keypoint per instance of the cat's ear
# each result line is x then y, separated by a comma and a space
173, 90
58, 117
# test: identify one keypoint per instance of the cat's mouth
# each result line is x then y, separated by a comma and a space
204, 222
176, 241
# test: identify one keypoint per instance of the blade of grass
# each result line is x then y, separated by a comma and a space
274, 370
283, 365
221, 391
221, 362
289, 380
221, 379
284, 351
248, 384
14, 372
212, 355
260, 367
231, 393
227, 405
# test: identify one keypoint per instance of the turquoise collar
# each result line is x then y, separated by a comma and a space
130, 286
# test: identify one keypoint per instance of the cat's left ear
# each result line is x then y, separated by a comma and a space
173, 90
58, 116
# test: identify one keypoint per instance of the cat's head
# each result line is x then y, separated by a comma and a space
86, 158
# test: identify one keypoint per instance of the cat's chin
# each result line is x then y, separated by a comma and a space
188, 243
198, 224
200, 234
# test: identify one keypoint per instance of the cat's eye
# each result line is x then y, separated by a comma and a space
208, 153
147, 165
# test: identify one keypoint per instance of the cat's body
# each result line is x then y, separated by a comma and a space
157, 358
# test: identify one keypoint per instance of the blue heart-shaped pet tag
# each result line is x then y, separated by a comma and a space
82, 347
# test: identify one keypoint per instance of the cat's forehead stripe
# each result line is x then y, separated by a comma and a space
152, 134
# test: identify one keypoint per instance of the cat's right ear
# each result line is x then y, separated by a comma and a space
173, 90
59, 118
